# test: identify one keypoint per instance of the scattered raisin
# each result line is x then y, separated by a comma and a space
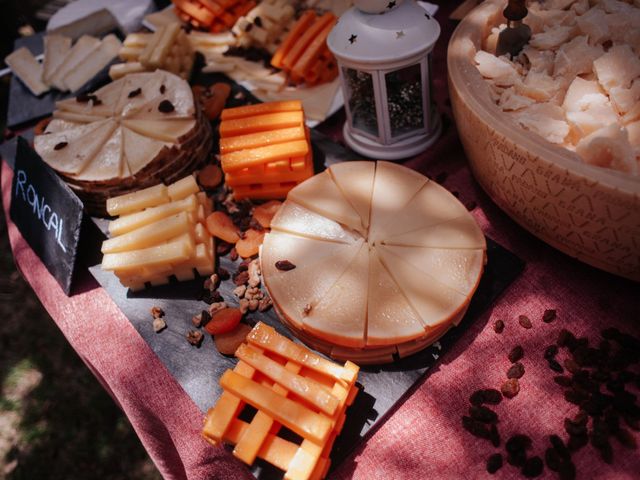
576, 442
524, 321
477, 398
552, 459
135, 93
494, 435
559, 446
551, 351
233, 255
518, 442
285, 265
533, 467
475, 428
571, 365
483, 414
549, 316
574, 429
223, 273
166, 106
162, 89
562, 380
516, 370
60, 146
494, 463
498, 326
492, 396
516, 354
565, 338
555, 366
510, 388
567, 471
241, 278
626, 439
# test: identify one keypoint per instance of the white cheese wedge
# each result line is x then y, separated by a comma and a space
432, 205
77, 117
107, 97
393, 188
56, 48
391, 320
617, 68
85, 46
461, 232
433, 300
25, 66
107, 164
91, 65
299, 288
459, 269
320, 194
138, 89
70, 151
340, 315
296, 219
164, 130
355, 181
172, 89
58, 125
138, 149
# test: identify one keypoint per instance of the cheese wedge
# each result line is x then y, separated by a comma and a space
355, 181
340, 315
56, 48
320, 194
171, 89
390, 317
58, 125
107, 97
393, 188
25, 66
108, 163
138, 89
296, 219
163, 130
85, 46
139, 149
77, 117
92, 64
461, 232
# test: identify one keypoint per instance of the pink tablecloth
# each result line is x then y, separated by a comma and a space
424, 437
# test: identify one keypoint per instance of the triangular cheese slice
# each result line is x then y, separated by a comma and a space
58, 125
459, 269
303, 286
77, 117
165, 130
300, 251
320, 194
433, 300
340, 316
391, 320
108, 98
138, 150
296, 219
138, 89
393, 188
461, 232
107, 164
433, 204
355, 181
71, 150
172, 89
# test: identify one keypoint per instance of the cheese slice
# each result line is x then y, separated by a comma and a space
296, 219
56, 48
85, 46
149, 235
107, 163
432, 205
139, 150
320, 194
391, 320
77, 117
138, 89
355, 181
25, 66
165, 130
70, 151
138, 200
183, 188
176, 91
459, 269
461, 232
58, 125
92, 64
394, 186
340, 314
432, 300
178, 250
107, 97
303, 286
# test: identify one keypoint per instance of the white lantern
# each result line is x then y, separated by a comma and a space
383, 51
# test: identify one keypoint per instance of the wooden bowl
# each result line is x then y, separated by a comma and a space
589, 213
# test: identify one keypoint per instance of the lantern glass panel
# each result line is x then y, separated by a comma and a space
361, 100
404, 100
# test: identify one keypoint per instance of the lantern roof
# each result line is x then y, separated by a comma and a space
401, 30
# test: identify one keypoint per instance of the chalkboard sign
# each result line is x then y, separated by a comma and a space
47, 213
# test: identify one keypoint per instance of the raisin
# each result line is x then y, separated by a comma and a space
571, 365
574, 429
574, 397
518, 442
626, 439
516, 354
477, 398
565, 338
241, 278
562, 380
551, 351
285, 265
567, 471
549, 316
492, 396
552, 459
498, 326
483, 414
233, 255
516, 370
581, 418
162, 89
559, 446
60, 146
166, 106
475, 428
494, 463
494, 435
555, 366
606, 452
157, 312
223, 273
533, 467
524, 321
576, 442
510, 388
517, 458
194, 337
134, 93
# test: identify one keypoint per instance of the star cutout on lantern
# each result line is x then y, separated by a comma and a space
391, 4
352, 39
399, 34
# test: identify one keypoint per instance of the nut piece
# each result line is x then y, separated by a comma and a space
307, 308
212, 283
216, 307
244, 306
194, 337
157, 312
239, 291
265, 304
253, 304
254, 273
159, 324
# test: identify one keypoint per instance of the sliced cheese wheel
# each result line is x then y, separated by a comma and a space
164, 130
459, 269
139, 149
461, 232
279, 246
110, 164
138, 90
391, 319
320, 194
433, 300
355, 181
393, 188
432, 205
340, 315
295, 218
58, 125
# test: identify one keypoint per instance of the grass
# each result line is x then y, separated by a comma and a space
56, 421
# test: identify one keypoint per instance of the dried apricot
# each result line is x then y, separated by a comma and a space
264, 213
228, 343
223, 321
210, 176
250, 243
220, 225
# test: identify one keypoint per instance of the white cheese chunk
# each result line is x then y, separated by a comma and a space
617, 68
85, 46
609, 148
139, 150
91, 65
56, 48
25, 66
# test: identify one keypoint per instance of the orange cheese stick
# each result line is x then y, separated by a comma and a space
235, 179
256, 156
215, 7
303, 23
315, 48
303, 42
253, 140
263, 192
261, 123
196, 11
261, 109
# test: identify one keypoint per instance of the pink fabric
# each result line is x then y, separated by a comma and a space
424, 436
